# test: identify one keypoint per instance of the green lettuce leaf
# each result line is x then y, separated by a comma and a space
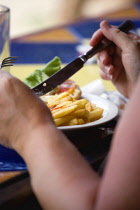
35, 78
52, 67
43, 73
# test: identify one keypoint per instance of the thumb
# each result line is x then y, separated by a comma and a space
120, 38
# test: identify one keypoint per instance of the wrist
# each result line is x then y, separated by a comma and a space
35, 145
30, 136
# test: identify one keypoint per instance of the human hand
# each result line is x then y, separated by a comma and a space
119, 63
21, 111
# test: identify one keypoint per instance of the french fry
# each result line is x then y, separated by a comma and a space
86, 117
93, 106
88, 106
80, 121
67, 111
45, 99
78, 113
56, 109
65, 103
58, 100
60, 96
71, 122
96, 114
63, 112
71, 90
81, 103
67, 98
53, 103
60, 121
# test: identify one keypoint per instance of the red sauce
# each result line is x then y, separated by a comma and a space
54, 107
65, 86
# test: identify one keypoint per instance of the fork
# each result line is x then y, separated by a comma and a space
8, 61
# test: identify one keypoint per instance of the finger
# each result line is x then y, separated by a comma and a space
105, 76
96, 37
108, 69
104, 57
120, 38
134, 36
102, 66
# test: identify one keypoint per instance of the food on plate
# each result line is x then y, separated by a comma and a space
67, 111
65, 102
71, 87
39, 75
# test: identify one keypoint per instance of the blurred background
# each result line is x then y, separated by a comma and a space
28, 16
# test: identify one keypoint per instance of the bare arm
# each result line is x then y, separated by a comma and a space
120, 188
58, 172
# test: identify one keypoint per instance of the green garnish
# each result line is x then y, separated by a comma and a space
43, 73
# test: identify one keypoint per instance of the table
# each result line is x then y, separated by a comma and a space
65, 36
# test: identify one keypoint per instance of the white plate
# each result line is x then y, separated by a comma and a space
110, 112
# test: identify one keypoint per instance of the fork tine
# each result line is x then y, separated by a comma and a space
8, 61
10, 57
12, 61
6, 65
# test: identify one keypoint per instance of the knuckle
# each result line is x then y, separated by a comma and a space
114, 32
135, 46
136, 37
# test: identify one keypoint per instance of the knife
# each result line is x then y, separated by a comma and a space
70, 69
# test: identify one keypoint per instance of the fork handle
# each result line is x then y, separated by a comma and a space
125, 27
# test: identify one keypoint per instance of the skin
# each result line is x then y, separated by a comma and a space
118, 62
58, 171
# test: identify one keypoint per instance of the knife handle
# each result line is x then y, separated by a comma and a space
125, 27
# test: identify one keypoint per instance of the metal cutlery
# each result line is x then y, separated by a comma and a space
70, 69
8, 61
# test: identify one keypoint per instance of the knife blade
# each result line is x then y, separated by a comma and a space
70, 69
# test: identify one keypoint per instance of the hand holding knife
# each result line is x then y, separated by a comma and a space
70, 69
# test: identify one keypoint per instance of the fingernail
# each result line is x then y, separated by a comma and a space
106, 25
108, 69
109, 76
102, 59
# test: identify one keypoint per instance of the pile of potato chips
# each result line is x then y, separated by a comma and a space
67, 111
